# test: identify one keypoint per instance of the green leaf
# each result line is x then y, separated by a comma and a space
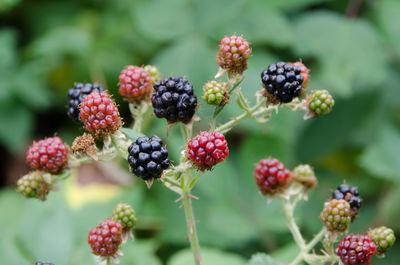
387, 13
7, 5
262, 259
163, 20
381, 158
336, 42
140, 252
133, 135
208, 256
290, 5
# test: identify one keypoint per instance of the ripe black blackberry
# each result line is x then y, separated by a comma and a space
148, 157
351, 195
174, 100
76, 96
282, 82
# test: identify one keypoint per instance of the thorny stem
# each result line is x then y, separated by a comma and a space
190, 220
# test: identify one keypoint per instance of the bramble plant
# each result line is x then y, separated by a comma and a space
173, 98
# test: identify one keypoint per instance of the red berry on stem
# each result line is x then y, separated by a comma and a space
105, 238
207, 149
100, 115
356, 250
50, 155
135, 84
271, 176
233, 54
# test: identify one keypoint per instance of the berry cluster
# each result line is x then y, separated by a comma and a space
100, 115
320, 103
356, 250
173, 99
207, 149
282, 82
233, 54
125, 215
304, 174
33, 186
336, 215
216, 93
383, 237
148, 157
50, 155
105, 238
271, 176
351, 195
135, 84
76, 96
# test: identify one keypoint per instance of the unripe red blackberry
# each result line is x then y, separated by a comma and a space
105, 238
216, 93
304, 71
383, 238
33, 185
233, 54
356, 250
50, 155
336, 215
125, 215
76, 96
207, 149
282, 83
351, 195
174, 99
100, 115
271, 176
320, 102
148, 157
155, 74
135, 84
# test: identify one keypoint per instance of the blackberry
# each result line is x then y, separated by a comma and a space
105, 238
320, 103
356, 250
76, 96
336, 215
33, 185
216, 93
304, 71
134, 84
271, 176
233, 54
351, 195
304, 174
148, 157
173, 99
282, 82
383, 237
126, 216
207, 149
50, 155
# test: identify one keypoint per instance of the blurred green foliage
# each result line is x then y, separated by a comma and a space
46, 46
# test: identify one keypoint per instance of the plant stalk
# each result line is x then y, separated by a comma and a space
288, 208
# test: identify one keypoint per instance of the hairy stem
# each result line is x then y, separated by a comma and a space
138, 112
304, 252
191, 222
288, 208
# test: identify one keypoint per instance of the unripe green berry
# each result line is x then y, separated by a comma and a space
125, 215
216, 93
321, 102
336, 215
304, 174
33, 185
383, 237
155, 74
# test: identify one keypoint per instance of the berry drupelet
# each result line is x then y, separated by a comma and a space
148, 157
282, 82
100, 115
105, 238
233, 54
271, 176
135, 84
351, 195
50, 155
216, 93
33, 185
76, 96
356, 250
207, 149
173, 99
336, 215
383, 237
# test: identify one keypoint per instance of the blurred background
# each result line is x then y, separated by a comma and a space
352, 48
